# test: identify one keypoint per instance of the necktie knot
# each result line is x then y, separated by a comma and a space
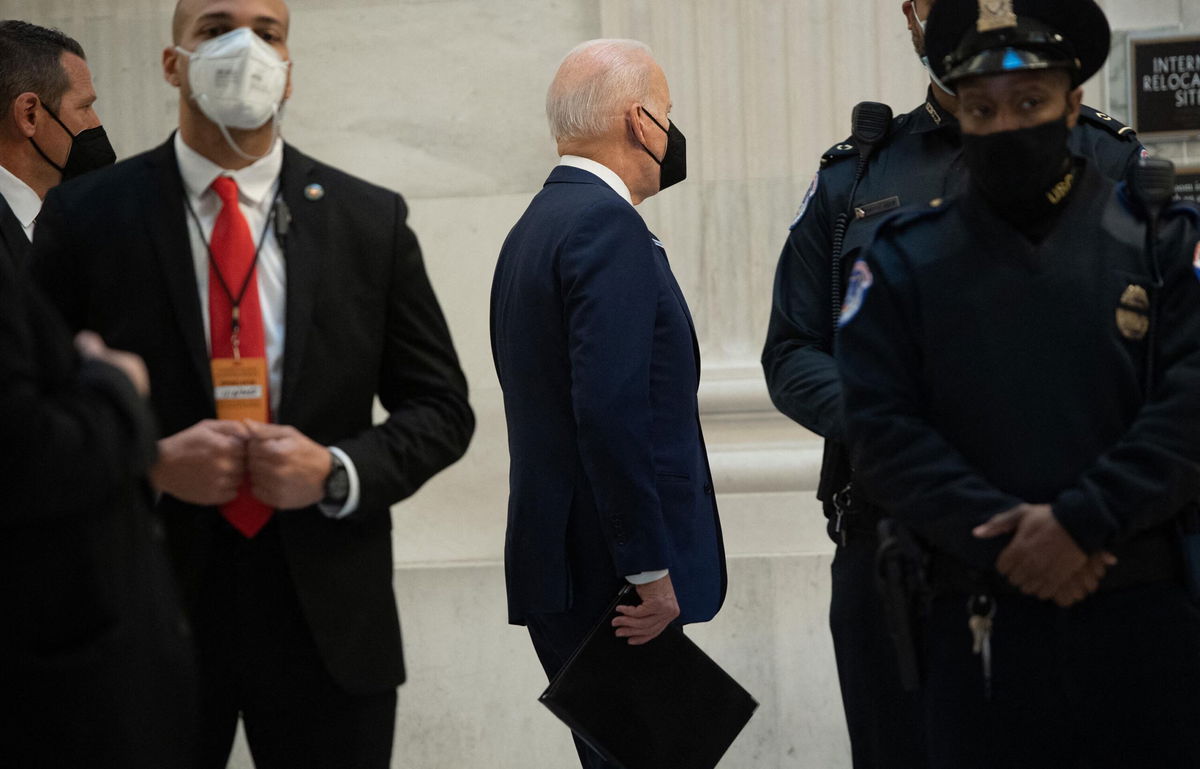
226, 189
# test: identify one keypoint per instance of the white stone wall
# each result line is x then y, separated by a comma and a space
442, 100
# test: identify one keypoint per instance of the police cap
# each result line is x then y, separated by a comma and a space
965, 38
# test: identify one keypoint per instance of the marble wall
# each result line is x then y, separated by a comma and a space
443, 101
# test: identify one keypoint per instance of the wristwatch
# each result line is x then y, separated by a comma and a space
337, 484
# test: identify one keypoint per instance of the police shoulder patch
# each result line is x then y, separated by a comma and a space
1107, 122
860, 282
808, 196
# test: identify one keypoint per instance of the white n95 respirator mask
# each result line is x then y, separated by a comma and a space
237, 80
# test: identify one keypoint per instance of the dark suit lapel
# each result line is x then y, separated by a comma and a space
166, 223
682, 302
13, 236
300, 250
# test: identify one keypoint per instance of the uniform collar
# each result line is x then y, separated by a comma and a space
255, 182
931, 117
606, 174
21, 198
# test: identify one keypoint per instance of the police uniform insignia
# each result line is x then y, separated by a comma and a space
1132, 319
808, 196
856, 292
995, 14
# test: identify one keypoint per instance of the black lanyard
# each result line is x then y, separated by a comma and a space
235, 302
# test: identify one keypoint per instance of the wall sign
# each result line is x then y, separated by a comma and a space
1187, 183
1164, 85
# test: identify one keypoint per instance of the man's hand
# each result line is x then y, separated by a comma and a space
203, 464
1085, 581
1042, 558
287, 468
90, 345
642, 623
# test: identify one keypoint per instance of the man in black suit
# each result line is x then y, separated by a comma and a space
95, 658
273, 297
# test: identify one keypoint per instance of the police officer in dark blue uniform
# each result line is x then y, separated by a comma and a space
919, 159
1021, 373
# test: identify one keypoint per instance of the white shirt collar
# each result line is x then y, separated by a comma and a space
255, 182
24, 202
606, 174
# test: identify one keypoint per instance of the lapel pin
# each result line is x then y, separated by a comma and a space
314, 192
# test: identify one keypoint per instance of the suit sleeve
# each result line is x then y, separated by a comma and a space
797, 359
899, 455
421, 385
1153, 471
54, 266
610, 284
73, 436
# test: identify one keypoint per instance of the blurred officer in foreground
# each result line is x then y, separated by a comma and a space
95, 659
1022, 386
917, 157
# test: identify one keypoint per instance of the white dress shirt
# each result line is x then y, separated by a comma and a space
21, 198
258, 185
609, 177
606, 174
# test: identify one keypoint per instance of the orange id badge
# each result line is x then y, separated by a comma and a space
240, 388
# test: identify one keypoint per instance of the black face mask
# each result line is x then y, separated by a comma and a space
1021, 173
672, 169
90, 149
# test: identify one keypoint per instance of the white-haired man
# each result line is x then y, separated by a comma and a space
597, 356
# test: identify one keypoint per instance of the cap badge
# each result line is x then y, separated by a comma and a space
995, 14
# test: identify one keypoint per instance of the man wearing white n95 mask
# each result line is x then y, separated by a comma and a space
275, 483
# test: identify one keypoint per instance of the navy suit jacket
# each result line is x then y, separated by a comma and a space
597, 357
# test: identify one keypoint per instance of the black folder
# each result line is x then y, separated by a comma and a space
661, 705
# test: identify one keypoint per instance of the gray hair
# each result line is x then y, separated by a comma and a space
594, 83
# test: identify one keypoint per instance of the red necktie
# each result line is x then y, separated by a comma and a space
233, 254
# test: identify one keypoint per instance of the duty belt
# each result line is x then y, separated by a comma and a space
851, 516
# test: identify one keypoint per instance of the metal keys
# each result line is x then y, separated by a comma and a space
981, 609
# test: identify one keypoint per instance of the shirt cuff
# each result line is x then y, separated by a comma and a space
351, 503
646, 577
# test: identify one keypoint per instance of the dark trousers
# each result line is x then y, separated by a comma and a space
556, 636
1111, 683
883, 720
258, 660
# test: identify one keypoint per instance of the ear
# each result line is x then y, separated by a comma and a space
287, 92
170, 65
25, 113
637, 131
909, 12
1074, 101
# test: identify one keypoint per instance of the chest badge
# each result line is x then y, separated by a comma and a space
1133, 320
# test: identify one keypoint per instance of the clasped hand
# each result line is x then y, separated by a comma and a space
1043, 560
207, 463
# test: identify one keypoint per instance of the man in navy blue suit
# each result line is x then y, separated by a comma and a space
597, 356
